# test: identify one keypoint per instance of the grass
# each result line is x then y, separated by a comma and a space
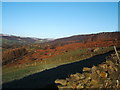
17, 72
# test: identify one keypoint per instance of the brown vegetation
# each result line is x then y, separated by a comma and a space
51, 49
12, 54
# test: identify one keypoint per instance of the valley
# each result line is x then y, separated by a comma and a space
28, 59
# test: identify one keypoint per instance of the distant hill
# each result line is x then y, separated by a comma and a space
9, 40
104, 36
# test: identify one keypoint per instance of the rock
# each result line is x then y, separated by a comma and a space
116, 68
95, 84
98, 72
71, 83
62, 82
103, 74
82, 76
111, 68
80, 86
86, 69
88, 85
104, 66
96, 49
117, 83
62, 87
114, 75
76, 77
94, 68
107, 83
94, 76
109, 62
86, 80
67, 79
88, 74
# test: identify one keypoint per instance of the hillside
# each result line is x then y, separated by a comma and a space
8, 40
11, 41
104, 36
33, 58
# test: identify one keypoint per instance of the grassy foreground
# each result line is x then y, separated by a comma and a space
18, 72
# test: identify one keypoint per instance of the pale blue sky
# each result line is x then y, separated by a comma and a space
60, 0
56, 20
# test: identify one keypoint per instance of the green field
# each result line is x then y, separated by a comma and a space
17, 72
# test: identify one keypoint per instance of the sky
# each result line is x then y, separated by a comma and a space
58, 19
60, 0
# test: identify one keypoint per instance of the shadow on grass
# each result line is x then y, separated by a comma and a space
46, 78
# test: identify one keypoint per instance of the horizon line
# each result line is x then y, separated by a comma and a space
58, 37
